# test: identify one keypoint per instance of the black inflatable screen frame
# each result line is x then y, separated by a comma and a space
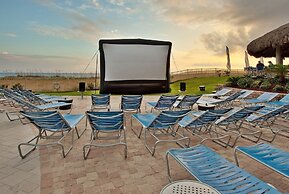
133, 86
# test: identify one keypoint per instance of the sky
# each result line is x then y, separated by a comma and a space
62, 36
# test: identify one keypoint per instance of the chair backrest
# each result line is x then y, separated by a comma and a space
168, 118
131, 102
285, 98
50, 120
207, 117
165, 101
266, 113
25, 105
222, 92
234, 96
245, 94
237, 114
100, 100
188, 101
105, 121
267, 96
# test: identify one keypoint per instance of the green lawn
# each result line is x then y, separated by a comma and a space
192, 86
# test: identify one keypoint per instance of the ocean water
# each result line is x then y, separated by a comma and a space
41, 74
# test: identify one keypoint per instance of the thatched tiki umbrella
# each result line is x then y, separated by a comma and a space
272, 44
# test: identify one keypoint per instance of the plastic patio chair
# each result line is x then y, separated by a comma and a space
131, 103
187, 102
105, 126
165, 102
100, 101
51, 125
161, 124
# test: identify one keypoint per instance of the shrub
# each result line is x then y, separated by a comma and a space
245, 82
233, 81
17, 86
274, 80
256, 84
265, 85
279, 88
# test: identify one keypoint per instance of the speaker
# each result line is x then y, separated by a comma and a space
81, 86
182, 86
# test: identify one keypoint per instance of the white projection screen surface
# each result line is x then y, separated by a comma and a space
135, 62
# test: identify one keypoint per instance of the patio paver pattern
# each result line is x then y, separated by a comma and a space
106, 170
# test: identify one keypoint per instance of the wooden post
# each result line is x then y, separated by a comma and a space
279, 59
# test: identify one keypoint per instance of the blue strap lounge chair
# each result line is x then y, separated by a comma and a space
210, 168
282, 102
199, 123
232, 124
165, 102
263, 98
51, 125
265, 118
131, 103
161, 124
219, 93
266, 154
222, 102
27, 106
187, 102
100, 101
108, 123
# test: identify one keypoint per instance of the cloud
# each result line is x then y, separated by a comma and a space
235, 39
256, 17
82, 27
9, 34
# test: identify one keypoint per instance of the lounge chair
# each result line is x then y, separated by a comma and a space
263, 98
265, 118
222, 102
199, 123
131, 103
105, 126
232, 122
282, 102
210, 168
245, 94
219, 93
161, 124
27, 106
187, 102
266, 154
165, 102
100, 101
51, 125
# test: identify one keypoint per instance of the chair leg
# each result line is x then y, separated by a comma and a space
28, 144
134, 131
235, 156
168, 167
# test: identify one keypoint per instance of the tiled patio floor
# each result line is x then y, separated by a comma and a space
106, 170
